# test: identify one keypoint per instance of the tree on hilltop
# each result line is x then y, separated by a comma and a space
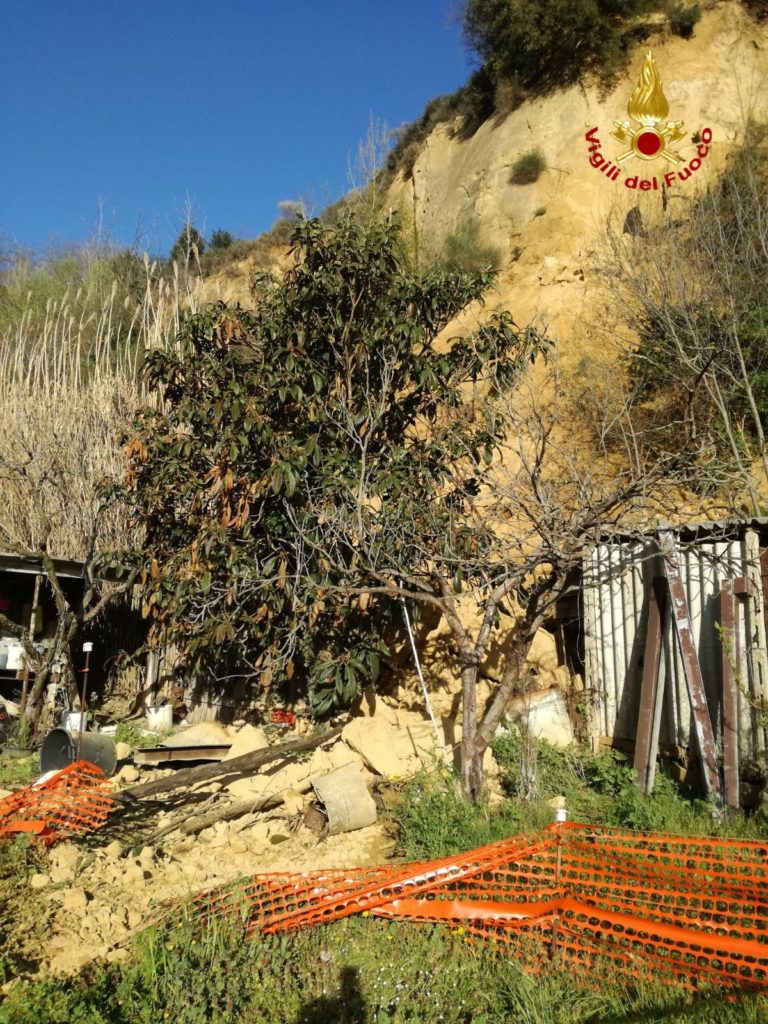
189, 246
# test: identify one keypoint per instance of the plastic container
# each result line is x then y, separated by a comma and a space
160, 717
60, 749
70, 720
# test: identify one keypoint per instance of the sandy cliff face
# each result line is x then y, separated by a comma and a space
551, 234
719, 78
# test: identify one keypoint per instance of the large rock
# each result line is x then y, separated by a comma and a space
266, 783
204, 734
66, 855
369, 704
386, 750
545, 714
249, 738
75, 901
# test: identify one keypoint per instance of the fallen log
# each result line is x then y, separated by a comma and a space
194, 825
243, 765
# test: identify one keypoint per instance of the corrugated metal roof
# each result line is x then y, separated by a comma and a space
65, 567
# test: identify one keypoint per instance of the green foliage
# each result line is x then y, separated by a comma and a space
221, 240
134, 735
528, 168
547, 44
76, 284
683, 18
525, 46
601, 788
16, 771
289, 469
188, 247
703, 349
436, 820
464, 252
23, 922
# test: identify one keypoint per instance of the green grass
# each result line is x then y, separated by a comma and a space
356, 970
23, 920
138, 736
600, 789
18, 771
465, 252
375, 972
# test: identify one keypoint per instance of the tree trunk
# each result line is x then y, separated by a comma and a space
65, 632
477, 735
471, 751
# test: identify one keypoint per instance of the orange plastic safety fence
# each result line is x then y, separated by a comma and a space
685, 910
76, 799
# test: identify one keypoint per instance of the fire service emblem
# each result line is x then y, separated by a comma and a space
650, 137
648, 107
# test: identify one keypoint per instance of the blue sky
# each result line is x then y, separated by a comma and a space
235, 105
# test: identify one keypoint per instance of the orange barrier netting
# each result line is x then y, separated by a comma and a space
679, 909
76, 799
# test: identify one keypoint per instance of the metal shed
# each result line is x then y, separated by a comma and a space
616, 603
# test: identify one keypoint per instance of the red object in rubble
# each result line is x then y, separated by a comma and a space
280, 717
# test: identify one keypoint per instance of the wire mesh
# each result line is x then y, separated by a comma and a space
75, 800
689, 911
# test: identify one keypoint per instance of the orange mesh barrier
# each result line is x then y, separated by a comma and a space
683, 910
76, 799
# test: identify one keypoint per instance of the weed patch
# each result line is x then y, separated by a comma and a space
23, 919
528, 168
356, 971
18, 771
464, 251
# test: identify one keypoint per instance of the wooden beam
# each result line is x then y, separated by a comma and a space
246, 764
730, 696
652, 688
705, 737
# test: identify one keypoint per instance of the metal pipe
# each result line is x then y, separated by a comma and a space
87, 648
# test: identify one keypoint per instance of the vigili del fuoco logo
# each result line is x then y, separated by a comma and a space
647, 136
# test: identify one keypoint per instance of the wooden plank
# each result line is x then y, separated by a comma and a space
159, 755
705, 737
730, 696
593, 676
652, 687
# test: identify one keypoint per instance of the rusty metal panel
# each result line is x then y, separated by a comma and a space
681, 618
652, 692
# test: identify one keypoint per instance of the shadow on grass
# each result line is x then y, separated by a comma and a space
348, 1007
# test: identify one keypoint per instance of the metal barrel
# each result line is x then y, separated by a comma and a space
346, 799
60, 749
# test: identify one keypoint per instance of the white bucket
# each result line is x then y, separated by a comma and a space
70, 720
160, 718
